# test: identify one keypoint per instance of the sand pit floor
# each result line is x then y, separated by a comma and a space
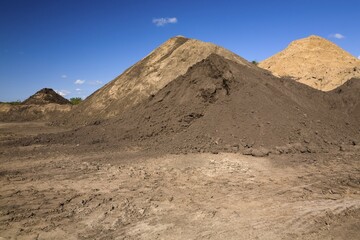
56, 192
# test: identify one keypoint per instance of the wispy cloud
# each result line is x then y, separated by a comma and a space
337, 36
79, 91
64, 76
79, 82
359, 57
97, 82
62, 92
163, 21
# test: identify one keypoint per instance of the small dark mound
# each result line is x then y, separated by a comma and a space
45, 96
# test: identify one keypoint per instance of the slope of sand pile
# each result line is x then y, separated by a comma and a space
45, 104
221, 105
314, 61
145, 78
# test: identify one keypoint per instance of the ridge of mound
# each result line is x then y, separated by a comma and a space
221, 105
145, 78
45, 96
314, 61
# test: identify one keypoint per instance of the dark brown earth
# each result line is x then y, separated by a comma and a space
347, 97
219, 105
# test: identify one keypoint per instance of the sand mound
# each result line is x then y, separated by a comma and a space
145, 78
45, 96
314, 61
221, 105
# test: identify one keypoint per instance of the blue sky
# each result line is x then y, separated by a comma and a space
77, 46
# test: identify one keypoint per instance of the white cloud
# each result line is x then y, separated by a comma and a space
78, 89
62, 92
64, 76
163, 21
79, 81
337, 36
97, 82
359, 57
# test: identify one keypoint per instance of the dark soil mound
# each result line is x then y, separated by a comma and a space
220, 105
45, 96
347, 97
145, 78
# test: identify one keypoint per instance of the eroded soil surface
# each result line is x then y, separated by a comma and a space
59, 192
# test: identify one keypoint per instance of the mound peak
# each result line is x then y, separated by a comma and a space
46, 96
314, 61
315, 37
145, 78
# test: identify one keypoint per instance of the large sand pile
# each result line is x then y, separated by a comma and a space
145, 78
222, 105
314, 61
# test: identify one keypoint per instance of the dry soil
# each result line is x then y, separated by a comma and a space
59, 191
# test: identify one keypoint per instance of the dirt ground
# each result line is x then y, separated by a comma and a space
72, 192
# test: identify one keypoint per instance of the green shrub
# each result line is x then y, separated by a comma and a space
75, 100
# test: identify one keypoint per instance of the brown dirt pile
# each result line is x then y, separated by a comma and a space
314, 61
45, 96
145, 78
221, 105
44, 105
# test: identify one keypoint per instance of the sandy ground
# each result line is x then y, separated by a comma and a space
59, 192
